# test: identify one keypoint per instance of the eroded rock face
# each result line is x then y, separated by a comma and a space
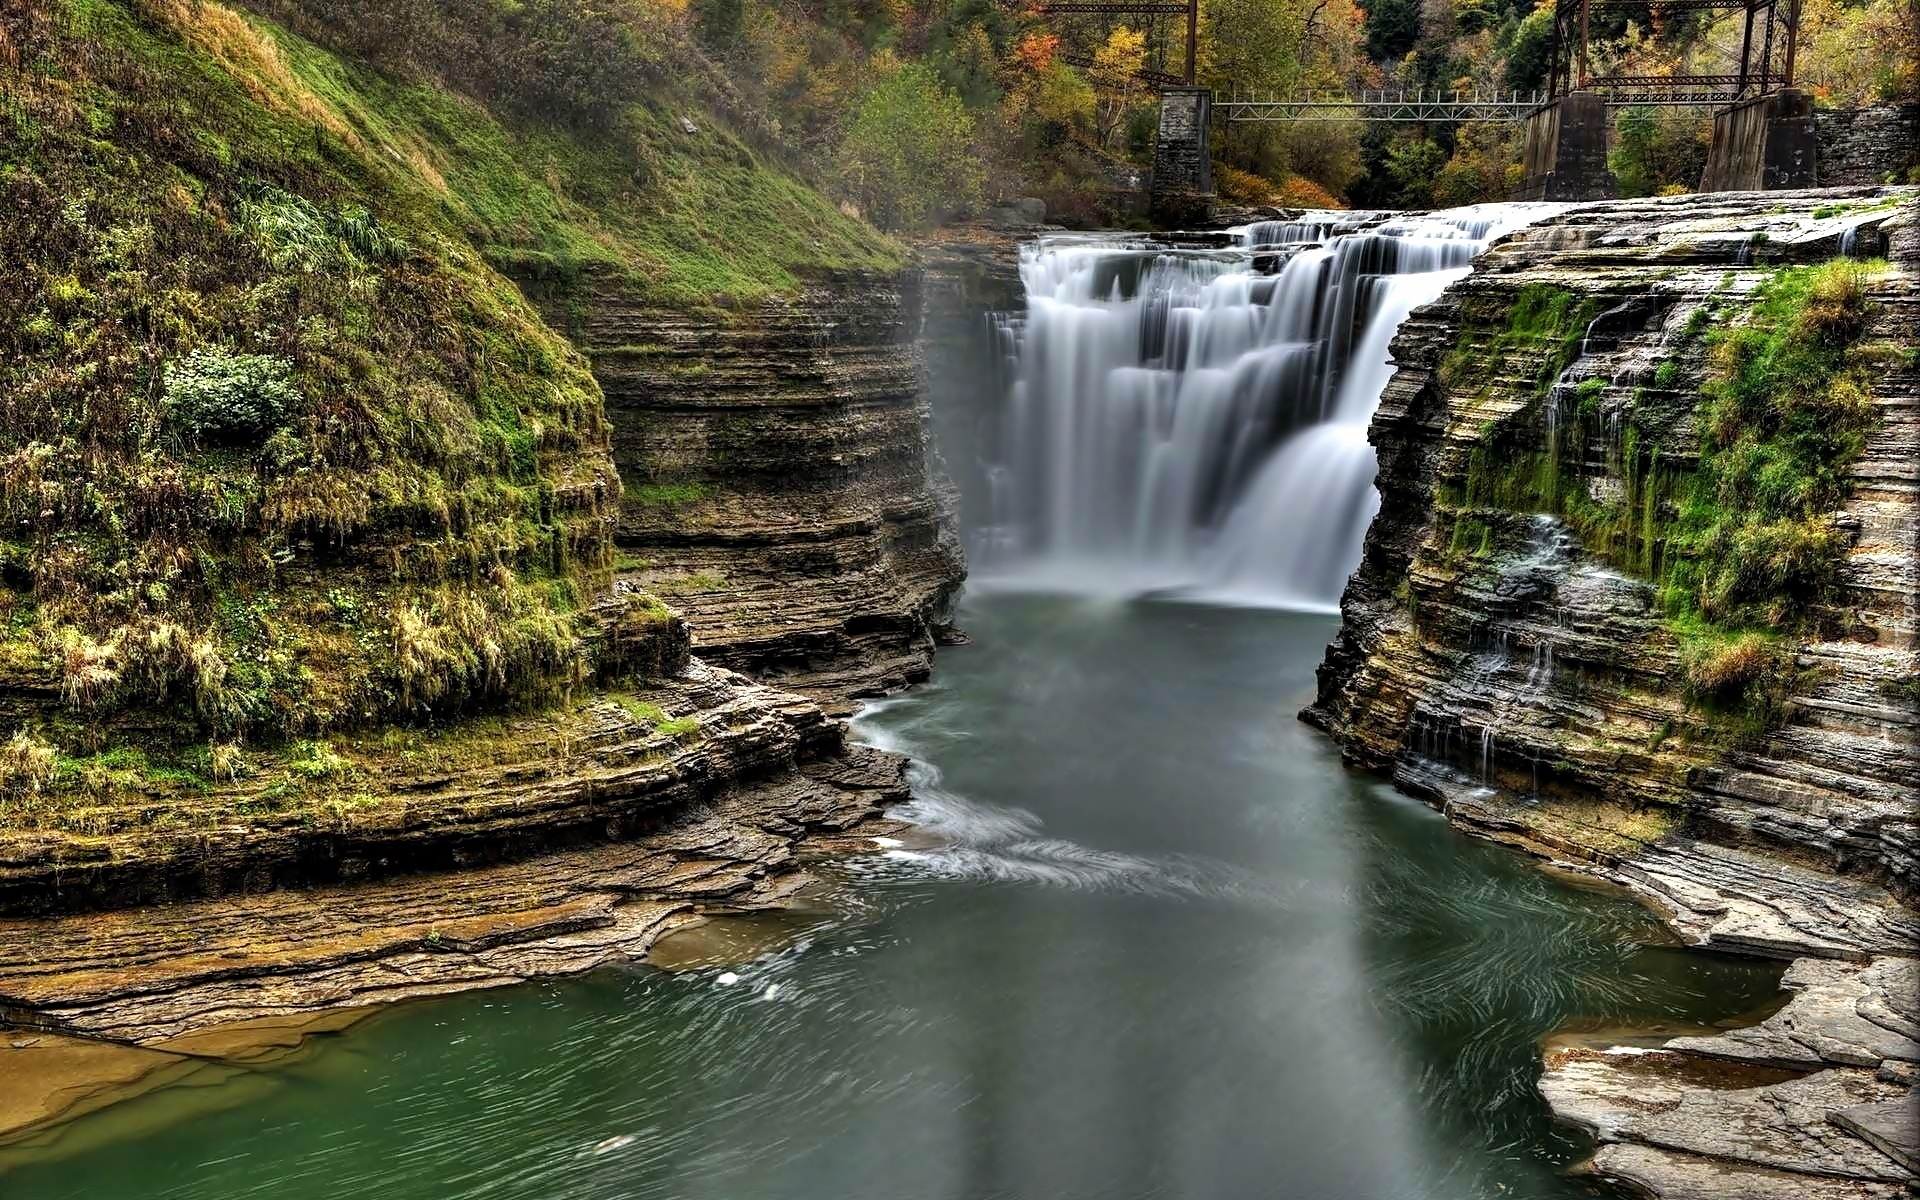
1493, 665
1528, 665
610, 767
781, 487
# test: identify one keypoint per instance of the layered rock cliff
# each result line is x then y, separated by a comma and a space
780, 483
1547, 640
312, 578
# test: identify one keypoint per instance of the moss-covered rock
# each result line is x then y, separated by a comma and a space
283, 450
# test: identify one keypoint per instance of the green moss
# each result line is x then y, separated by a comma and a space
1534, 339
1851, 207
642, 710
666, 495
1741, 540
702, 581
649, 713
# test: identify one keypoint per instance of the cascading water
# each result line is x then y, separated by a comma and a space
1193, 419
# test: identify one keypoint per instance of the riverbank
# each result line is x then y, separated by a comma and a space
222, 979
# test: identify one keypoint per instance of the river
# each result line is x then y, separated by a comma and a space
1162, 945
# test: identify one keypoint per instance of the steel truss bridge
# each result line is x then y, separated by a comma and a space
1378, 104
1769, 33
1770, 27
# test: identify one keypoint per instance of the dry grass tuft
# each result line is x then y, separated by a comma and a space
1729, 667
27, 766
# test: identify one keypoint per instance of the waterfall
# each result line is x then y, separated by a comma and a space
1192, 418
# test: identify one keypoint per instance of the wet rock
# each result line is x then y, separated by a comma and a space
1687, 1106
1890, 1126
162, 975
1841, 1014
1655, 1172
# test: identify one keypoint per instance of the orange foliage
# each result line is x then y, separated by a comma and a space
1035, 51
1300, 192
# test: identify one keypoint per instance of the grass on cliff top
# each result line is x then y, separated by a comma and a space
279, 453
688, 215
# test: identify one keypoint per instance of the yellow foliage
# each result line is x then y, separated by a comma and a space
1242, 187
252, 58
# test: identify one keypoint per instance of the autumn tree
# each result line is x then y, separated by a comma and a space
1115, 76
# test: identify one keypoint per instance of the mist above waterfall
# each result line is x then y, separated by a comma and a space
1192, 419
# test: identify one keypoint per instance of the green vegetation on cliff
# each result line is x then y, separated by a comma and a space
283, 451
277, 452
1736, 531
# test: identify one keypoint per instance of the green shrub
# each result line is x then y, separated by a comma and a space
218, 397
907, 156
1787, 411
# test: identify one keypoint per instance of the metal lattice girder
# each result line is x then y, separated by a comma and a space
1112, 6
1381, 105
1659, 99
1664, 82
1670, 6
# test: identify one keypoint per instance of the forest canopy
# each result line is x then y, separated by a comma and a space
1054, 106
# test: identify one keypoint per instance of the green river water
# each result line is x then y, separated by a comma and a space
1166, 947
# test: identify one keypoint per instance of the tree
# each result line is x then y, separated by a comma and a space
1477, 172
966, 62
1411, 166
1393, 26
1654, 151
907, 156
1531, 50
1116, 79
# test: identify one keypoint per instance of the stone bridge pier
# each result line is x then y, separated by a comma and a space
1566, 150
1763, 145
1182, 189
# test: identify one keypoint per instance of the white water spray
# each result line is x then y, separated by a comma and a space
1194, 420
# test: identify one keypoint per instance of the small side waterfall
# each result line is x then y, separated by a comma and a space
1193, 418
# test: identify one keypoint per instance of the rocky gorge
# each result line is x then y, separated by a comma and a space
783, 495
510, 646
781, 487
